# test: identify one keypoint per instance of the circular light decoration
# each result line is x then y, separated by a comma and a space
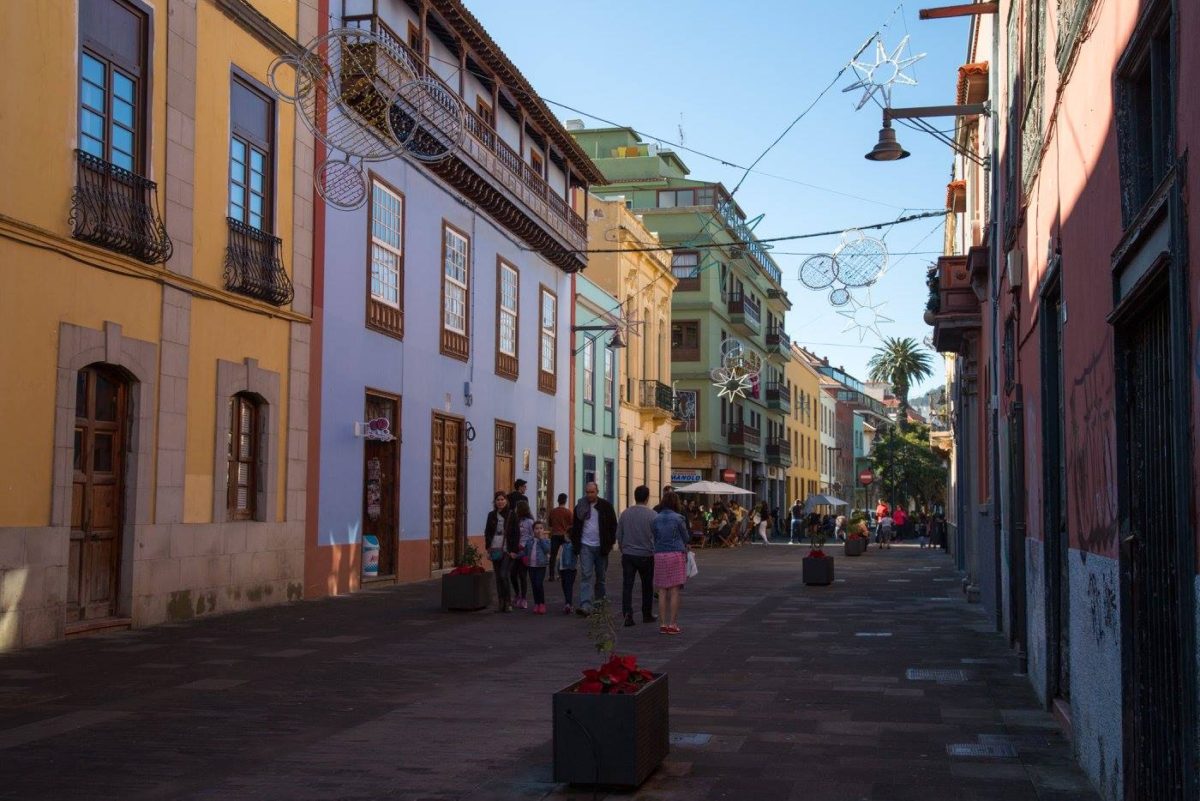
342, 87
731, 349
860, 259
738, 372
881, 76
819, 271
341, 184
839, 296
428, 118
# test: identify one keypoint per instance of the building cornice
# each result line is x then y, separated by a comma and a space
259, 26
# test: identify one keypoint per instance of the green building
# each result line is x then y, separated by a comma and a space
729, 288
596, 383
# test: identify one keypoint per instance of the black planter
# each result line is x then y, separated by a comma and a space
611, 740
855, 547
467, 592
818, 570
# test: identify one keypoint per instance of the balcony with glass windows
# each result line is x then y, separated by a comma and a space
779, 397
483, 167
254, 265
779, 344
743, 440
744, 312
779, 452
116, 209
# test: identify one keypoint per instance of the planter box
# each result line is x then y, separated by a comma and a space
855, 547
818, 570
469, 592
612, 740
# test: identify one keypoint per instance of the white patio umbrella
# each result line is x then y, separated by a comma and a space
823, 500
713, 488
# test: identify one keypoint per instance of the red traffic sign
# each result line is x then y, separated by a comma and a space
866, 477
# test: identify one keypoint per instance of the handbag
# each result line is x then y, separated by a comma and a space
692, 570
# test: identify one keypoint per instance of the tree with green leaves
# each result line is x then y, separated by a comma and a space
900, 363
908, 468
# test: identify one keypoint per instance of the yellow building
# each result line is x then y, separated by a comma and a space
643, 282
804, 432
155, 294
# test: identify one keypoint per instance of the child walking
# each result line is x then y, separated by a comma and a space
537, 557
567, 566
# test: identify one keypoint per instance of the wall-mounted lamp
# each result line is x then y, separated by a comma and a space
615, 342
888, 149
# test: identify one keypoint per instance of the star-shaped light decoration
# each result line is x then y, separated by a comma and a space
865, 317
734, 386
887, 71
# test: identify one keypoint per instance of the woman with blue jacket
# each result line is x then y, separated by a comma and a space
670, 561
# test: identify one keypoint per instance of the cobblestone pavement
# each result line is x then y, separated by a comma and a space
778, 691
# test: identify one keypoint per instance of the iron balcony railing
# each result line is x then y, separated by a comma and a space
657, 395
254, 265
746, 305
776, 338
743, 435
118, 210
486, 138
779, 395
779, 451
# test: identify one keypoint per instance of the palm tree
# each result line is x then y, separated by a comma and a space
900, 362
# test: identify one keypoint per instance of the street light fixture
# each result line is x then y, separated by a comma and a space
615, 342
888, 149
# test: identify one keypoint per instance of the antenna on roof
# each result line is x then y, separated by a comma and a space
681, 136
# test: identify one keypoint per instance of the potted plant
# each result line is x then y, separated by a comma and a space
817, 568
467, 586
856, 539
611, 727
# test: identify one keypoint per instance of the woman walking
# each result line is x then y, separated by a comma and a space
537, 557
670, 562
493, 535
762, 519
518, 520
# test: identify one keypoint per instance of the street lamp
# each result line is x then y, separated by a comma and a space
615, 342
888, 149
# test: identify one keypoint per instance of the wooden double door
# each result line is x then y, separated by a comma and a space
98, 462
447, 491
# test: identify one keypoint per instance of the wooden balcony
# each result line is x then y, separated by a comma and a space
779, 397
492, 173
745, 313
743, 440
779, 452
778, 343
953, 308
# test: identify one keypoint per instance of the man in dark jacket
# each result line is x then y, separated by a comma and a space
518, 495
593, 534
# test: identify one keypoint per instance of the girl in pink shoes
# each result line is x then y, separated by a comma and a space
670, 561
537, 557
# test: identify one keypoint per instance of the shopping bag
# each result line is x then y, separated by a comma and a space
691, 565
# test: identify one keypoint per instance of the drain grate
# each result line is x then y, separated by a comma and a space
873, 634
1019, 741
940, 675
993, 750
690, 738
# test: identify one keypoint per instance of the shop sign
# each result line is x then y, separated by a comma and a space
679, 479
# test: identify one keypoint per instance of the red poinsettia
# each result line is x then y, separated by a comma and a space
466, 570
620, 675
816, 553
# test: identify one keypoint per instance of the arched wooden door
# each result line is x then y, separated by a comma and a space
101, 426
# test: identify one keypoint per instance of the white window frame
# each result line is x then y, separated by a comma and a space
452, 284
589, 370
548, 341
379, 245
506, 312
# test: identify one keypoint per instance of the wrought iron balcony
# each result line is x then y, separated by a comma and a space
484, 152
658, 398
778, 343
779, 452
745, 311
779, 397
743, 439
254, 265
117, 210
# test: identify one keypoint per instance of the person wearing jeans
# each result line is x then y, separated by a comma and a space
560, 525
493, 536
593, 534
635, 535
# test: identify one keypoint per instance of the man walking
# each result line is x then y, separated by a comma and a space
635, 535
797, 521
560, 524
593, 534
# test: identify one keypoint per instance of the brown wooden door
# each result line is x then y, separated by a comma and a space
545, 473
380, 468
505, 457
445, 484
100, 426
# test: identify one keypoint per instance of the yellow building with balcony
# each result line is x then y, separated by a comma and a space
643, 282
803, 426
155, 296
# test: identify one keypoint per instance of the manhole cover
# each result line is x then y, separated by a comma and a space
998, 751
940, 675
690, 738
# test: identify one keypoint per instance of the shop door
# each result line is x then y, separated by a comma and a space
446, 492
101, 421
1160, 680
545, 472
381, 463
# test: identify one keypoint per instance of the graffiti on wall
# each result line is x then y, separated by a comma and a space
1102, 606
1091, 452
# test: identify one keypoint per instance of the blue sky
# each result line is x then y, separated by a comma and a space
733, 75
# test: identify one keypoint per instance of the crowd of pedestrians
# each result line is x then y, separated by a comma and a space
575, 543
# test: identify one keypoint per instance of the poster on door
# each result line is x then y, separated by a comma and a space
374, 488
